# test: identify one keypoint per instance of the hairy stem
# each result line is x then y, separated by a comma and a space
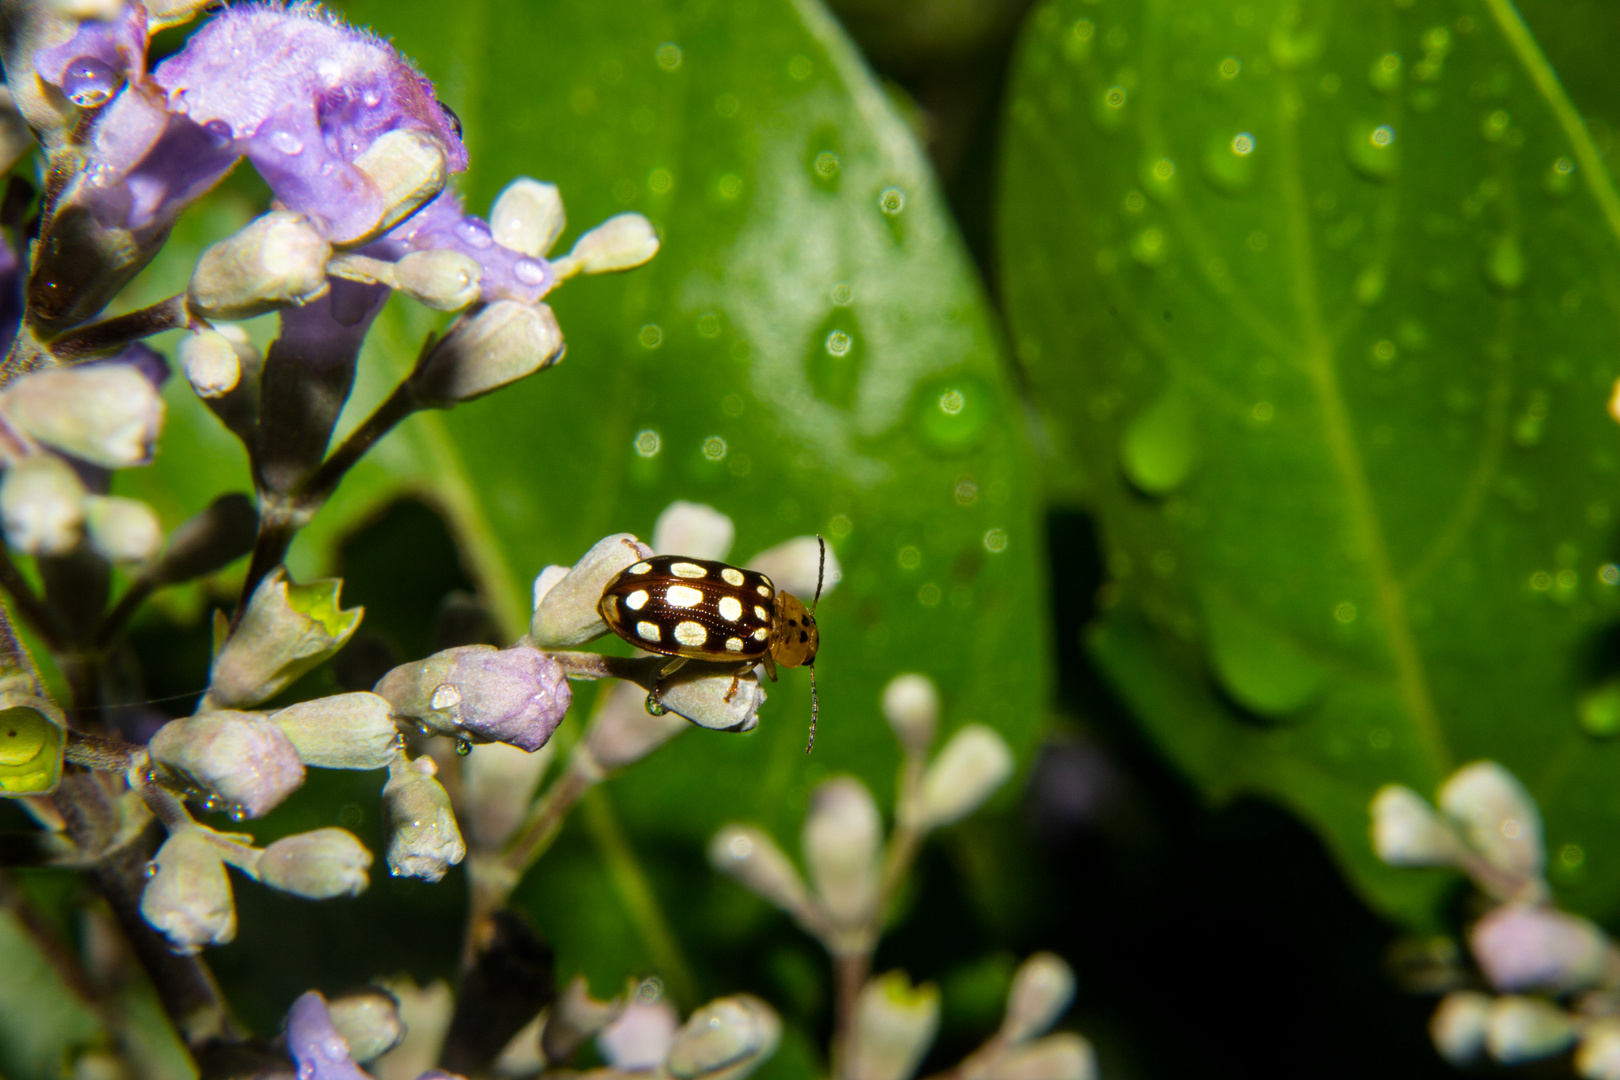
111, 335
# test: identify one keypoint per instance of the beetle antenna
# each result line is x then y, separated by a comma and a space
815, 707
821, 573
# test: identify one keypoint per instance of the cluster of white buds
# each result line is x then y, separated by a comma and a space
1554, 976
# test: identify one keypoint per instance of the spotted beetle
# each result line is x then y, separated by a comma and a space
697, 609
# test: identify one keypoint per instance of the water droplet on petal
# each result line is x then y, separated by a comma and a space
1160, 447
89, 82
474, 232
463, 747
287, 143
529, 271
655, 707
219, 133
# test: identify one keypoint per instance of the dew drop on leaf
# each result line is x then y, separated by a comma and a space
1160, 447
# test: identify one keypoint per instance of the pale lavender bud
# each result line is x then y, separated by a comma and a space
716, 702
344, 731
1459, 1026
622, 242
275, 261
506, 274
210, 361
1598, 1057
795, 566
566, 616
623, 732
315, 1044
1499, 818
641, 1037
122, 530
369, 1022
408, 169
105, 413
911, 705
895, 1024
575, 1018
974, 763
42, 505
441, 280
1040, 992
693, 529
425, 1012
727, 1039
188, 896
317, 865
286, 630
1407, 832
544, 581
497, 784
843, 847
1524, 1029
499, 345
1057, 1057
749, 856
241, 756
528, 217
426, 841
1535, 948
516, 695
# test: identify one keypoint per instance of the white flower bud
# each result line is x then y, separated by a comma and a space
843, 849
211, 362
1040, 992
498, 782
750, 857
693, 529
408, 168
622, 242
277, 260
794, 565
1598, 1057
528, 217
894, 1027
317, 865
1458, 1026
1524, 1029
344, 731
440, 279
241, 756
107, 414
911, 705
123, 530
1499, 818
286, 630
575, 1017
641, 1037
725, 1040
566, 615
105, 10
1407, 832
623, 732
974, 763
501, 344
704, 701
188, 896
425, 1012
1535, 948
369, 1022
1057, 1057
520, 1058
426, 841
42, 505
545, 580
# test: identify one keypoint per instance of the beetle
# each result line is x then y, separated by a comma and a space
699, 609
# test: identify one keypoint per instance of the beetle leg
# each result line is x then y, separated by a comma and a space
770, 665
675, 664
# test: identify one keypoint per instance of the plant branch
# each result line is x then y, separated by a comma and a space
318, 486
111, 335
28, 602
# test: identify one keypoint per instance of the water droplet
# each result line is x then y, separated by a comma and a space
1294, 46
1229, 161
1530, 425
1383, 353
286, 142
1385, 73
995, 541
651, 336
1229, 68
150, 869
1504, 266
1159, 178
463, 747
655, 707
219, 133
714, 448
1495, 125
838, 343
953, 414
1598, 711
1161, 445
237, 814
1370, 284
648, 443
529, 271
88, 82
475, 232
837, 357
1109, 111
892, 201
1149, 247
669, 56
826, 165
1559, 177
1373, 151
1262, 670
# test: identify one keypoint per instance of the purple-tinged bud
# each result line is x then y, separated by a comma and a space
575, 1018
1525, 1029
716, 702
242, 757
750, 857
1407, 832
344, 731
795, 566
694, 530
275, 261
122, 530
622, 731
211, 363
315, 1044
639, 1039
622, 242
1598, 1057
42, 505
911, 705
426, 841
727, 1039
843, 849
1057, 1057
408, 169
528, 217
566, 616
1536, 948
1458, 1027
107, 413
286, 630
1042, 989
317, 865
895, 1024
498, 783
188, 897
369, 1022
499, 345
972, 766
516, 695
441, 280
1498, 816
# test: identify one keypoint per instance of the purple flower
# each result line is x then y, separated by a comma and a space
314, 1042
1534, 948
90, 66
444, 225
517, 695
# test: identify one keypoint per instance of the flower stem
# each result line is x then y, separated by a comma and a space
111, 335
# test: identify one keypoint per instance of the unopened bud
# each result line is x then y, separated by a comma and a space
1459, 1025
1057, 1057
1536, 948
441, 279
344, 731
747, 855
1525, 1028
317, 865
622, 242
108, 414
277, 260
42, 505
287, 630
188, 896
693, 529
622, 731
895, 1024
369, 1022
501, 344
974, 763
528, 217
122, 530
315, 1044
725, 1040
1407, 832
408, 168
1041, 990
425, 1012
716, 702
516, 695
1598, 1057
241, 756
426, 841
566, 616
544, 581
911, 705
575, 1018
211, 363
498, 782
795, 566
640, 1037
1499, 818
843, 845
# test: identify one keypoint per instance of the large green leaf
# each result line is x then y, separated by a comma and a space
1320, 298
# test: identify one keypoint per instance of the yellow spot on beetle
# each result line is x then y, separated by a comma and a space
759, 635
730, 608
734, 644
682, 596
648, 631
687, 570
690, 633
636, 600
761, 614
639, 568
765, 591
732, 575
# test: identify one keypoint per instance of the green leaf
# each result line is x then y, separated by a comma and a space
42, 1021
1320, 298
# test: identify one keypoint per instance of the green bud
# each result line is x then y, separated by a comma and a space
344, 731
895, 1024
442, 280
188, 896
501, 344
275, 261
287, 630
426, 841
317, 865
622, 242
369, 1022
